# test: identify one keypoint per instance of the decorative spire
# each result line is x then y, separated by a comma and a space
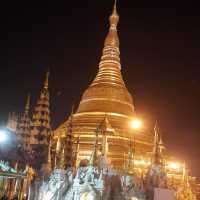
46, 82
58, 150
112, 37
27, 107
41, 129
108, 92
94, 156
157, 148
23, 129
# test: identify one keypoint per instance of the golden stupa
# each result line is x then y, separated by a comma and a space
107, 99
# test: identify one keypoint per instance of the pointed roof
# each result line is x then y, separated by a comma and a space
40, 127
23, 128
27, 107
107, 92
46, 82
41, 116
156, 149
112, 37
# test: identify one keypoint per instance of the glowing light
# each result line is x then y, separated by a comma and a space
136, 162
174, 166
143, 162
136, 124
3, 136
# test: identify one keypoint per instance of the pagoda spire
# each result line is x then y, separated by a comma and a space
58, 151
23, 128
41, 129
110, 66
93, 159
27, 107
46, 82
112, 37
107, 92
158, 145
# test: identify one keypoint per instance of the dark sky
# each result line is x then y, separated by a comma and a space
160, 46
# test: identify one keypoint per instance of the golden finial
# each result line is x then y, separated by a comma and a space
114, 18
115, 7
46, 82
156, 143
27, 107
156, 133
112, 37
156, 126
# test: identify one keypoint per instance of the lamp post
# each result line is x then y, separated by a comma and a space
135, 125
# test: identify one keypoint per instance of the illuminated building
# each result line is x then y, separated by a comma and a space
40, 127
23, 127
107, 96
95, 154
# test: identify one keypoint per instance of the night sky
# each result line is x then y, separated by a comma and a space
160, 46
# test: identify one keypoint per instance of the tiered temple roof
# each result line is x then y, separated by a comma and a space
41, 128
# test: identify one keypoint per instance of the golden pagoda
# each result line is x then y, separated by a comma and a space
107, 96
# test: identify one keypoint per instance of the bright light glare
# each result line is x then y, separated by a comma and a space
3, 136
136, 124
174, 166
